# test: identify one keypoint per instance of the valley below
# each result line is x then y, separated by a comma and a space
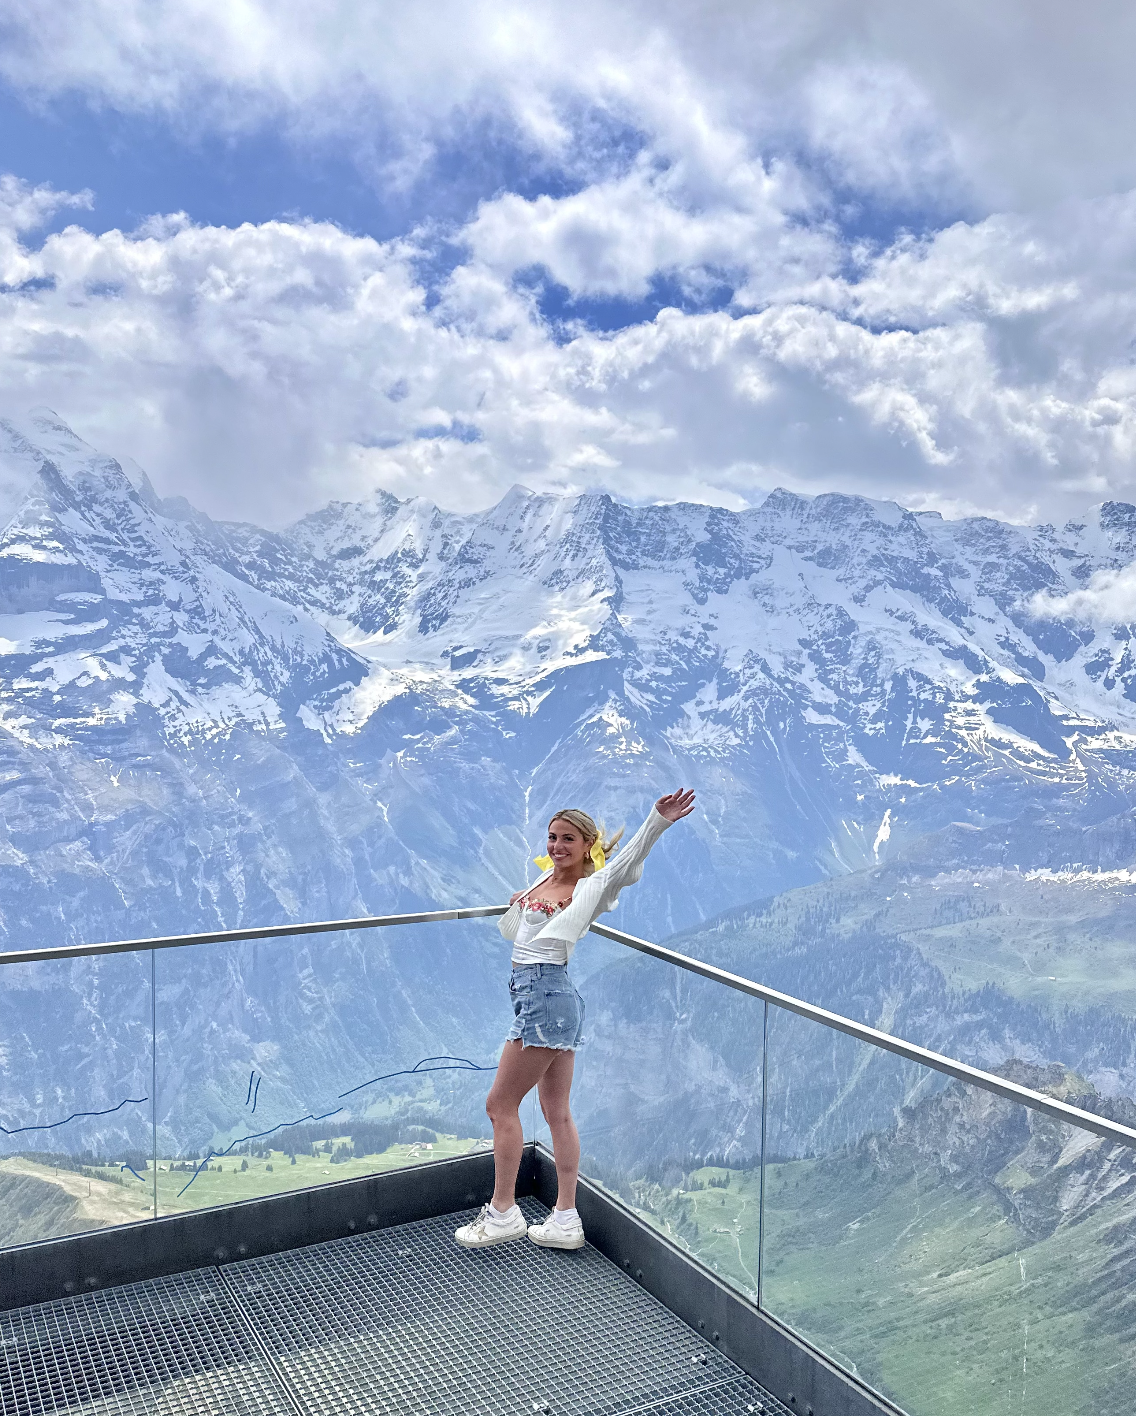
973, 1257
48, 1196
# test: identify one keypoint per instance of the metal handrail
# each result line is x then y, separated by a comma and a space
949, 1066
1037, 1101
238, 936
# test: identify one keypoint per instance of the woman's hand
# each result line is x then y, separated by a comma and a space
514, 898
675, 806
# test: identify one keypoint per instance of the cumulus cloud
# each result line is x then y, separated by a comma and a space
615, 237
262, 369
329, 66
984, 365
880, 135
26, 208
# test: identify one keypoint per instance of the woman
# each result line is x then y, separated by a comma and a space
544, 923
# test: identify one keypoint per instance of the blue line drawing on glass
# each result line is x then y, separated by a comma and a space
252, 1095
76, 1116
447, 1064
127, 1166
256, 1136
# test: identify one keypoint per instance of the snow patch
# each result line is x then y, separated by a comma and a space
883, 835
1103, 878
357, 704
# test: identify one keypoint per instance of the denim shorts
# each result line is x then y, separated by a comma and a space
548, 1012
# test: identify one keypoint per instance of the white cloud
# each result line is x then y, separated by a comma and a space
1020, 102
882, 137
261, 370
614, 237
1109, 598
26, 208
324, 66
984, 366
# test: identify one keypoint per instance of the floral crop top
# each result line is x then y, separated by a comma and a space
546, 907
535, 915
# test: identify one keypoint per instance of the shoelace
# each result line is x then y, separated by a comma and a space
486, 1220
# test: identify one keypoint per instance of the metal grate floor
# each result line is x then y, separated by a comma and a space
398, 1322
172, 1345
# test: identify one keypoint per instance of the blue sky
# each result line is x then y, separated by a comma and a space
137, 165
650, 249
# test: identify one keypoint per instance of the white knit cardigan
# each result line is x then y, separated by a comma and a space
595, 894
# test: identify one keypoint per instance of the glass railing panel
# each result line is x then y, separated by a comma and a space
288, 1063
667, 1100
958, 1252
75, 1096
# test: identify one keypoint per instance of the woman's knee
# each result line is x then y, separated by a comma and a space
556, 1113
498, 1108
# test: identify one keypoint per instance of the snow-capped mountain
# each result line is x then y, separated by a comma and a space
847, 672
208, 724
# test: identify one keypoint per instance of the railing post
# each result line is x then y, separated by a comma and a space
154, 1070
764, 1114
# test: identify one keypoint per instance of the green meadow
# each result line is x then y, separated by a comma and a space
929, 1292
225, 1182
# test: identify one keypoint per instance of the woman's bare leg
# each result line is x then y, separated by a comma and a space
553, 1090
519, 1070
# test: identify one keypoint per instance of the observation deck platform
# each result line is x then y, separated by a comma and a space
888, 1257
354, 1298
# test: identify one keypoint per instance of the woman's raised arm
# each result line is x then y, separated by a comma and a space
626, 866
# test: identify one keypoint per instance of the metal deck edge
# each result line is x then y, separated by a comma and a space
177, 1243
765, 1349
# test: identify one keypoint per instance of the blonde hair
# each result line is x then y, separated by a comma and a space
589, 830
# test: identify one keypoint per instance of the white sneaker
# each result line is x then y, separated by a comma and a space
485, 1230
554, 1235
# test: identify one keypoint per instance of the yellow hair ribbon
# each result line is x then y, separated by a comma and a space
543, 862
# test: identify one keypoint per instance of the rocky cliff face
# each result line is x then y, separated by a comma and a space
1046, 1174
209, 724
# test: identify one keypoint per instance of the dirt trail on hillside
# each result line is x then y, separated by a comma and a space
96, 1203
